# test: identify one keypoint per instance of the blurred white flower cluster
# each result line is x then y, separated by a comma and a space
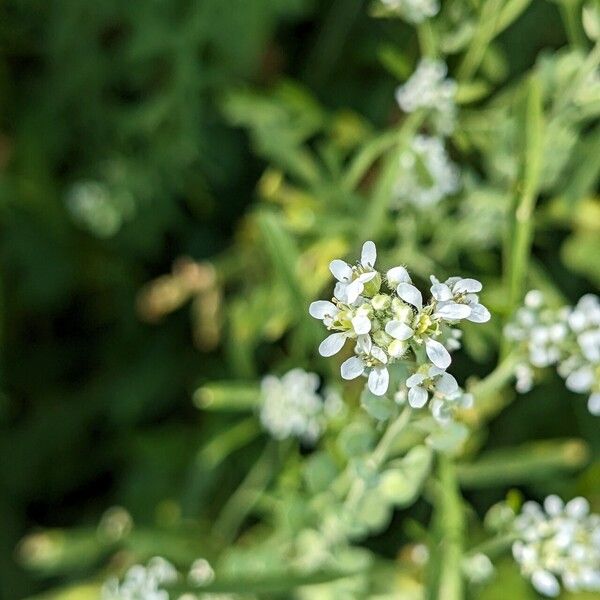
559, 543
427, 174
291, 406
147, 582
568, 338
99, 208
384, 316
142, 582
429, 89
413, 11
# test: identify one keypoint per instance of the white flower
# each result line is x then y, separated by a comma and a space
429, 89
558, 544
427, 175
567, 338
142, 583
432, 384
457, 299
370, 359
434, 380
351, 280
413, 11
292, 407
386, 318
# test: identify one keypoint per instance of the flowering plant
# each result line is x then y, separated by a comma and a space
361, 401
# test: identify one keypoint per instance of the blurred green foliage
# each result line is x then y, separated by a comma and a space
243, 132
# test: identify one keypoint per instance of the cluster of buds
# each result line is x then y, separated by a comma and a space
386, 319
427, 174
567, 338
412, 11
291, 406
430, 90
558, 542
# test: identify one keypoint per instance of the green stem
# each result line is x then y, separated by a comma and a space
426, 39
246, 496
452, 525
378, 456
571, 14
488, 401
495, 546
375, 218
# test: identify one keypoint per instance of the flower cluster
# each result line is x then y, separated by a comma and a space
430, 89
556, 542
142, 582
413, 11
439, 388
427, 175
385, 317
568, 338
292, 407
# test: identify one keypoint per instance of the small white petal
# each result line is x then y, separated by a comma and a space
479, 314
594, 404
398, 330
446, 384
437, 354
397, 275
553, 505
409, 293
340, 291
361, 324
545, 583
379, 379
577, 508
354, 290
341, 270
368, 255
452, 311
417, 397
322, 308
379, 354
365, 277
364, 344
332, 344
467, 286
580, 380
415, 379
441, 292
352, 368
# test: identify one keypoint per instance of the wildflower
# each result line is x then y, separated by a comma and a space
387, 318
142, 582
567, 338
432, 384
413, 11
557, 544
429, 89
292, 407
457, 299
427, 174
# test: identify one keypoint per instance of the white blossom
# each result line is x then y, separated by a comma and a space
567, 338
429, 89
292, 407
413, 11
385, 317
427, 175
142, 582
558, 544
433, 385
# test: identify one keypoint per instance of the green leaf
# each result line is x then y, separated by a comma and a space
227, 396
